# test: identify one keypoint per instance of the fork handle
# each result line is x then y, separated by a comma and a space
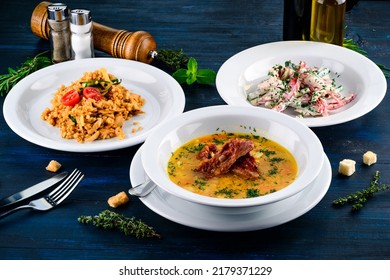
2, 215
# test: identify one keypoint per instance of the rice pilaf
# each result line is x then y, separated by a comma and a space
89, 119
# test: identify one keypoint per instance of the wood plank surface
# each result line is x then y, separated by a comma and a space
210, 31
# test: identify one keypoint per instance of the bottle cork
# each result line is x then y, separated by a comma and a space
138, 45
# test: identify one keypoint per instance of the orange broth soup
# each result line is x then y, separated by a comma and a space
277, 168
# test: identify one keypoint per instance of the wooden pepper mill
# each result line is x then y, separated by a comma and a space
138, 45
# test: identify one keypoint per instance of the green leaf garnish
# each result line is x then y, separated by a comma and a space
9, 80
352, 45
180, 76
206, 76
192, 74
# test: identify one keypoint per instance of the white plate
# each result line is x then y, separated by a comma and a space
354, 71
293, 135
202, 217
164, 99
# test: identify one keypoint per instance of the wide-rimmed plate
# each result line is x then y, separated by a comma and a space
354, 71
164, 99
203, 217
291, 134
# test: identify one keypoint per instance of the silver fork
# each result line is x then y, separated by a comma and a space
55, 197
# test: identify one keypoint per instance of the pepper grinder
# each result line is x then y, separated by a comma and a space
137, 45
81, 34
58, 18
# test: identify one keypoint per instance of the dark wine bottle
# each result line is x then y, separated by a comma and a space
296, 19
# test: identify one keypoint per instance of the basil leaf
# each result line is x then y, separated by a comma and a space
192, 65
206, 76
191, 77
180, 76
192, 74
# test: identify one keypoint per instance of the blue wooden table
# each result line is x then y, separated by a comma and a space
210, 31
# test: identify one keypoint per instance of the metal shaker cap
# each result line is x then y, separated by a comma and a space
58, 11
80, 16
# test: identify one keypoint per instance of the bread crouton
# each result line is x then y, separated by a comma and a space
118, 199
53, 166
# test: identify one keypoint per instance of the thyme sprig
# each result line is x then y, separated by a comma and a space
108, 219
359, 198
173, 59
9, 80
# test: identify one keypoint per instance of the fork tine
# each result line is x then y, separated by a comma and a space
63, 190
63, 184
74, 184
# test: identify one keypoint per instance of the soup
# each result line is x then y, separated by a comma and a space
232, 166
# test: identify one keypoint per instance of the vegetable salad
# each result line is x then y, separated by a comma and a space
309, 90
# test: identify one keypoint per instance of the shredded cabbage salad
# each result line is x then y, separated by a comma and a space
310, 91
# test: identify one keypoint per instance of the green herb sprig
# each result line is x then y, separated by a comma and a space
172, 59
359, 198
9, 80
192, 74
185, 69
352, 45
129, 226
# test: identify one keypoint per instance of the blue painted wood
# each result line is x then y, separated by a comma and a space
210, 31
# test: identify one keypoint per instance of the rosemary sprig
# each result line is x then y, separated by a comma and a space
359, 198
385, 70
9, 80
129, 226
352, 45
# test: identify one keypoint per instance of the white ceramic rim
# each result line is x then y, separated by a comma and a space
356, 72
164, 99
157, 172
200, 216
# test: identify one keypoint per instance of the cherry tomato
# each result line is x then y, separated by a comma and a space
70, 98
91, 92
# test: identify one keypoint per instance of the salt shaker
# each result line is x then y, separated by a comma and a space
81, 34
58, 18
